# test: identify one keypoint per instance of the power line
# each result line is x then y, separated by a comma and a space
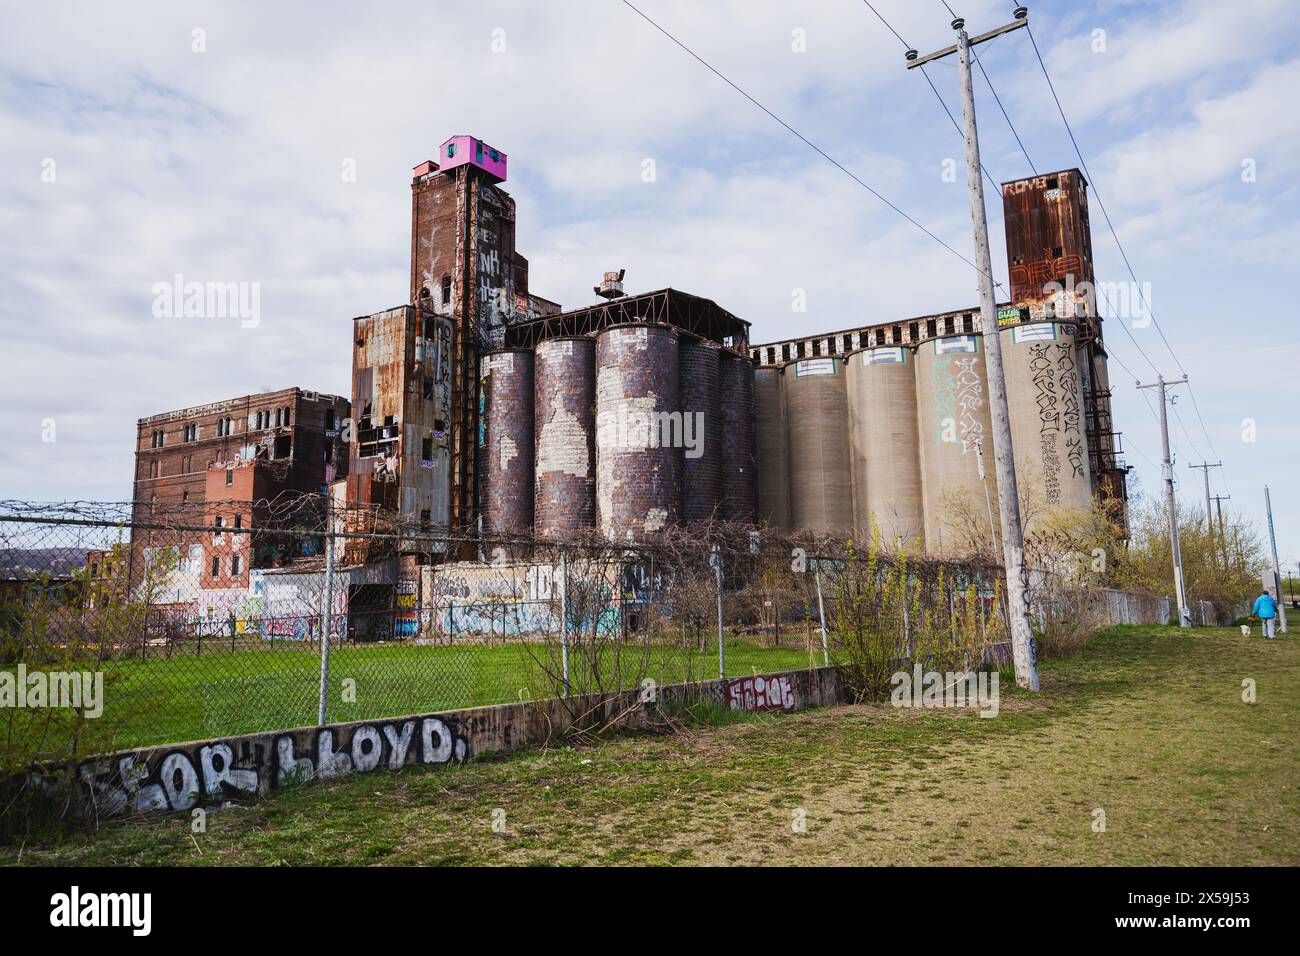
1115, 235
939, 96
998, 100
804, 139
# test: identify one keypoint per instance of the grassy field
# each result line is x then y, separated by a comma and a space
169, 700
1148, 726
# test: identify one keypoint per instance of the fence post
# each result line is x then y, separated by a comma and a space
821, 615
564, 621
327, 614
716, 560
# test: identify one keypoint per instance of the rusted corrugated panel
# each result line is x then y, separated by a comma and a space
1048, 238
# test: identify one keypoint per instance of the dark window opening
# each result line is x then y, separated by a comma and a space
930, 329
426, 448
1053, 183
426, 388
446, 289
239, 521
283, 446
1056, 252
216, 566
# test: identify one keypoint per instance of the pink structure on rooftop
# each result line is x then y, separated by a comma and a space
460, 150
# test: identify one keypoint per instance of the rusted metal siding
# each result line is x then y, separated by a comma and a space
772, 462
1049, 242
638, 480
739, 474
701, 406
885, 447
506, 443
402, 379
817, 422
565, 430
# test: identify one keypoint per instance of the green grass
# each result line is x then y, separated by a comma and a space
1147, 725
182, 698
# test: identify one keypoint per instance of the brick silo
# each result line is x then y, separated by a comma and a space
638, 472
701, 416
505, 442
739, 474
565, 406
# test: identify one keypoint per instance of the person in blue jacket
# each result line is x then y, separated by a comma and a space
1266, 610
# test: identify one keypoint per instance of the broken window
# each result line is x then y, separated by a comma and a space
426, 388
329, 419
283, 446
426, 448
446, 289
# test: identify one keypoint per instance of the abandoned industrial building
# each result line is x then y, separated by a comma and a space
478, 408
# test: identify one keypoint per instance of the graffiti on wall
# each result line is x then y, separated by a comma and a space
760, 693
181, 779
1068, 371
1049, 418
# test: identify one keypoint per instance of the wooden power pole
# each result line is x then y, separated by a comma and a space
1171, 505
1013, 542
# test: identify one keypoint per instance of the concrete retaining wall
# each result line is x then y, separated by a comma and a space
181, 777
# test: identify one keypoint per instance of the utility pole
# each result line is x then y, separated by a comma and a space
1013, 542
1223, 534
1277, 571
1206, 469
1184, 613
1209, 521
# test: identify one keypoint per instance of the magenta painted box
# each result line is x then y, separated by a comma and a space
460, 150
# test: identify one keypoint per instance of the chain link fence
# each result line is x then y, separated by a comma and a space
236, 617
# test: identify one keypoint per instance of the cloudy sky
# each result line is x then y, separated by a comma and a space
218, 141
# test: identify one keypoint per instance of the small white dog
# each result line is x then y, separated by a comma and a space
1245, 630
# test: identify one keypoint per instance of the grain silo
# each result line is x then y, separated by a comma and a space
702, 425
739, 484
638, 463
505, 442
817, 426
565, 501
1045, 395
884, 446
772, 464
954, 422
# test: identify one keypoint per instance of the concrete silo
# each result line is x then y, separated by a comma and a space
1045, 395
565, 375
739, 474
638, 468
505, 442
954, 421
817, 436
884, 446
702, 424
772, 464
